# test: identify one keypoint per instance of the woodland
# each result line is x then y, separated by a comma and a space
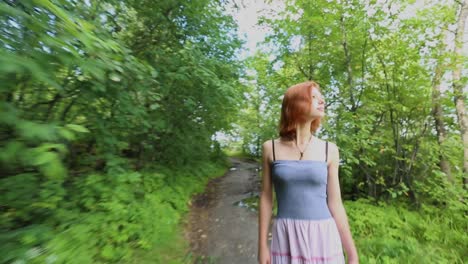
109, 112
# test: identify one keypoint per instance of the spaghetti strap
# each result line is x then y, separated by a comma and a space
273, 143
326, 151
299, 234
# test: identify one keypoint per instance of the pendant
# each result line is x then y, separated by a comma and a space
301, 155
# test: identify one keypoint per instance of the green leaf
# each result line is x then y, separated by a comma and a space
114, 77
67, 134
107, 252
44, 158
52, 146
77, 128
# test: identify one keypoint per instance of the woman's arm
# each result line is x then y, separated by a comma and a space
265, 205
336, 207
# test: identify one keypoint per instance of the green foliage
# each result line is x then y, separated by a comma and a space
376, 70
377, 79
92, 92
105, 217
391, 233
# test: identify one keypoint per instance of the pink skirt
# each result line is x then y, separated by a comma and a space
298, 241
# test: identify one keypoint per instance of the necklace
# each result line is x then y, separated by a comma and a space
302, 152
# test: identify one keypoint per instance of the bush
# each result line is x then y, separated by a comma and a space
390, 233
104, 218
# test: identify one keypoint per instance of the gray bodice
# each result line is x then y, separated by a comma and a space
301, 188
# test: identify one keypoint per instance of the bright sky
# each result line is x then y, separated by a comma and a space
247, 16
249, 11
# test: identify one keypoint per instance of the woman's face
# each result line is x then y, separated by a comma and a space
318, 104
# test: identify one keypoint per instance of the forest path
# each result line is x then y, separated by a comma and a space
220, 231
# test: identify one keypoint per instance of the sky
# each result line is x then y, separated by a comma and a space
248, 11
246, 16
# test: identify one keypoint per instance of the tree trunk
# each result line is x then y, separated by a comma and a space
459, 97
439, 122
349, 69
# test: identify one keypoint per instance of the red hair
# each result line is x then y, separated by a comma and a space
297, 102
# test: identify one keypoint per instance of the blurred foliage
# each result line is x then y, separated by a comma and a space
105, 217
92, 94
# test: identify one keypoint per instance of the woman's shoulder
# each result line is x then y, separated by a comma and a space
270, 141
267, 145
324, 141
331, 145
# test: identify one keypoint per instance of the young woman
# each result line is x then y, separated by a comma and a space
311, 225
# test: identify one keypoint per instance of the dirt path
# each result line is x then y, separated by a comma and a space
219, 230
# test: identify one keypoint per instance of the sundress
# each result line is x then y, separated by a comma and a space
303, 230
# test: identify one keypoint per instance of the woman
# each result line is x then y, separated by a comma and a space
311, 225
